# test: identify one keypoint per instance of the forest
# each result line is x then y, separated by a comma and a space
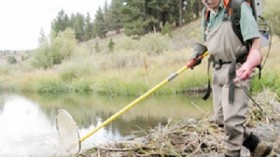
135, 17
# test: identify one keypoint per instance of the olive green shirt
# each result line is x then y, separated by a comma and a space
248, 25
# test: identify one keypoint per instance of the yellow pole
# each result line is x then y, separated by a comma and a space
133, 103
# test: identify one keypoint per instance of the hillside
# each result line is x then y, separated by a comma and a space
105, 71
180, 38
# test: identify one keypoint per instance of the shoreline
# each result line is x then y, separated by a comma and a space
193, 137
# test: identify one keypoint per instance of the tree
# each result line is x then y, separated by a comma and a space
115, 16
134, 17
89, 29
192, 9
82, 26
99, 24
43, 38
197, 8
144, 16
153, 10
60, 48
60, 23
106, 16
78, 25
137, 17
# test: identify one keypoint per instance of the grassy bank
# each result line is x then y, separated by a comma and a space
133, 67
271, 71
114, 73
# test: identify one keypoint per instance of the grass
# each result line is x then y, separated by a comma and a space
134, 67
270, 73
121, 74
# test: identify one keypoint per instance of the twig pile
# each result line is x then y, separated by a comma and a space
193, 137
174, 139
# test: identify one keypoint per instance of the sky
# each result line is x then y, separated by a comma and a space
22, 20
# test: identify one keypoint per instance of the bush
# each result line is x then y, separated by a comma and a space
12, 60
127, 44
24, 56
61, 48
111, 45
166, 29
42, 58
76, 68
154, 43
96, 47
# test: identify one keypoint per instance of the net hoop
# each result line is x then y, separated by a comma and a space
68, 132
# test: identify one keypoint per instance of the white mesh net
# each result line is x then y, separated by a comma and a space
68, 132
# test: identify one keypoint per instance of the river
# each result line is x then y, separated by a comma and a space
28, 126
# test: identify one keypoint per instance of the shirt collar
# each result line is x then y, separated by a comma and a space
221, 6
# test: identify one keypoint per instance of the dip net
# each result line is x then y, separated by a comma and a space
68, 132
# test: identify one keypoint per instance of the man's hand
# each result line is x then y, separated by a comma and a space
198, 50
243, 72
254, 59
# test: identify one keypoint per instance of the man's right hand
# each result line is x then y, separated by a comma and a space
198, 50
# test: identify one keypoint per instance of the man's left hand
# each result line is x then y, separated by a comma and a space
254, 58
243, 72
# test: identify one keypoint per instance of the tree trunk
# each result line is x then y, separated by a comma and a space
180, 9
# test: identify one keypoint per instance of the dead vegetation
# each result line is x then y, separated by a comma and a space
195, 137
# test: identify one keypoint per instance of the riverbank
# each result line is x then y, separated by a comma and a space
134, 67
196, 137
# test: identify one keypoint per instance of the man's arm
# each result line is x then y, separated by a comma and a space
254, 59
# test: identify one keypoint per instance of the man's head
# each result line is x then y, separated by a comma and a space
211, 4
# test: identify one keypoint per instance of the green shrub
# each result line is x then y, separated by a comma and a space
12, 60
111, 45
52, 86
24, 56
61, 48
83, 85
155, 43
127, 44
96, 47
76, 68
166, 29
42, 58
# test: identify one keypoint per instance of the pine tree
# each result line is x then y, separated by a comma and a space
78, 25
134, 17
115, 16
60, 23
99, 24
89, 30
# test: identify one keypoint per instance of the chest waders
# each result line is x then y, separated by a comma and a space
217, 64
236, 53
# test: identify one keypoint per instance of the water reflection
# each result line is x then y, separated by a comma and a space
25, 129
28, 121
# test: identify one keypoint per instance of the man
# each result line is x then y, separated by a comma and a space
231, 102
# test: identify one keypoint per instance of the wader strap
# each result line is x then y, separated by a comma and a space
260, 71
217, 65
209, 89
231, 76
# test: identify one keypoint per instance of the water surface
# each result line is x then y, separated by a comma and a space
28, 125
